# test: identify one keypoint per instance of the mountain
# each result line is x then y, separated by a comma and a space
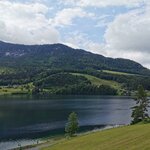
59, 69
59, 56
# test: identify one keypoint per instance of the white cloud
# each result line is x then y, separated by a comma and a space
103, 21
130, 31
26, 23
128, 36
66, 16
104, 3
82, 41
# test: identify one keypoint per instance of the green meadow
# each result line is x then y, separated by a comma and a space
135, 137
117, 72
97, 81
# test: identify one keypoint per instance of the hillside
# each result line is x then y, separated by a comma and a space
97, 81
135, 137
59, 69
58, 56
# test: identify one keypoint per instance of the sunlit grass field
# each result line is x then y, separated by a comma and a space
118, 73
97, 81
12, 90
136, 137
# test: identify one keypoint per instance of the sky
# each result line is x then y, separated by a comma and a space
113, 28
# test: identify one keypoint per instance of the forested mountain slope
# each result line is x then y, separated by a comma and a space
59, 69
58, 56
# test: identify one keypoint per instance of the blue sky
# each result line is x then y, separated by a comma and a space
114, 28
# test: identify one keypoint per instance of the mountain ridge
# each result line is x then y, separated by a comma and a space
61, 56
60, 70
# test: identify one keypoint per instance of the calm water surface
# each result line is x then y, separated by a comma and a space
24, 119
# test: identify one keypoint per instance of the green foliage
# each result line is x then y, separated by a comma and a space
6, 70
58, 56
12, 90
48, 67
129, 82
64, 82
87, 89
71, 84
139, 112
61, 80
98, 81
36, 90
117, 72
72, 126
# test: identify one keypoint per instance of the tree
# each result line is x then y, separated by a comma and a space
36, 90
72, 126
139, 112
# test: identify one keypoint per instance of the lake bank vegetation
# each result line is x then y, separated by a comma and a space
71, 82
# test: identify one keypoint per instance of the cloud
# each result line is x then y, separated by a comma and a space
26, 23
130, 31
82, 41
104, 3
128, 36
66, 16
103, 21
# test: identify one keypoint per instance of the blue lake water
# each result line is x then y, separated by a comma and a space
25, 119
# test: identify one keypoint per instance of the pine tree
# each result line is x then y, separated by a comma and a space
139, 112
72, 126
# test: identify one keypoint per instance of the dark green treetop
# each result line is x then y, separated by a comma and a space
140, 111
72, 126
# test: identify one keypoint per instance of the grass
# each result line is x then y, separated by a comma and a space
136, 137
97, 81
12, 90
118, 73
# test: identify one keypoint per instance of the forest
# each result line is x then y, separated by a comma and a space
52, 69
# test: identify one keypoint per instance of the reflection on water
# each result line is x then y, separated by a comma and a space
29, 118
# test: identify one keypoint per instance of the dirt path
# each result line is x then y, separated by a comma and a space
39, 147
43, 145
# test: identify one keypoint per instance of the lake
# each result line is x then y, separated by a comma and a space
23, 120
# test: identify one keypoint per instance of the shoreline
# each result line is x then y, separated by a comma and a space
53, 140
57, 96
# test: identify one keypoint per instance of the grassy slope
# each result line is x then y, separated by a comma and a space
118, 73
135, 137
12, 90
97, 81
